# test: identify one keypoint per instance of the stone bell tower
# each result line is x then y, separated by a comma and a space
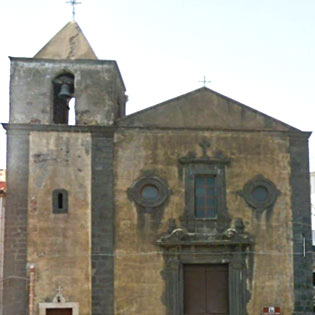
69, 61
59, 214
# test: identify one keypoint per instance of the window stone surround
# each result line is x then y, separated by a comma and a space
205, 165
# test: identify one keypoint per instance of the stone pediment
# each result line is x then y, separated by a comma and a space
232, 236
207, 109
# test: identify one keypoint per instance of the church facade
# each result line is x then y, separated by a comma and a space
198, 205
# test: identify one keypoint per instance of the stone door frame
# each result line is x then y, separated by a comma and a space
44, 306
233, 255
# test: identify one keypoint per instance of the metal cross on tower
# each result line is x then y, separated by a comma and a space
73, 3
204, 81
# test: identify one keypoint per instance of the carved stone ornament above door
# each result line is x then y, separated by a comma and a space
180, 236
181, 248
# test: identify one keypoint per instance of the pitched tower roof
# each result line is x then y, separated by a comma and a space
68, 43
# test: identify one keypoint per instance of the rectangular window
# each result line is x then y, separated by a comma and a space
205, 197
60, 201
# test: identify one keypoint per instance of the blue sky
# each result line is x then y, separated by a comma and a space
258, 52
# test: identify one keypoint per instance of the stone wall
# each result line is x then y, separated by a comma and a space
139, 286
60, 244
15, 233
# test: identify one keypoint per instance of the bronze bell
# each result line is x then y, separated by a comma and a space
65, 91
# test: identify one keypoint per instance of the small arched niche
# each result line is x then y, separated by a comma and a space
63, 88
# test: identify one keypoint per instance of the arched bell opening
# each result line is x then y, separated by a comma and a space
63, 87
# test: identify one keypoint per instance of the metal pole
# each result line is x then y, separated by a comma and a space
31, 290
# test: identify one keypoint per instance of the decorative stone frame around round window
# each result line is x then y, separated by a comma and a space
149, 192
260, 193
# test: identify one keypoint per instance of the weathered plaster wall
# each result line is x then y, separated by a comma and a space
59, 244
139, 286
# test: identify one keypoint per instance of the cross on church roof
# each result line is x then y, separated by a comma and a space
204, 81
59, 289
73, 3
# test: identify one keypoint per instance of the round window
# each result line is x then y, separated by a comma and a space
150, 193
260, 193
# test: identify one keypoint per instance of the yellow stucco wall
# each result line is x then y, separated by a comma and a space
138, 283
59, 244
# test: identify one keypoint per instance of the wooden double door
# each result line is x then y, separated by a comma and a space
59, 311
206, 290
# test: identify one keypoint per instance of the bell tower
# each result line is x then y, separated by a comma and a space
60, 177
68, 64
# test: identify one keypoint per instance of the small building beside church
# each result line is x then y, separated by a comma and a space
198, 205
2, 209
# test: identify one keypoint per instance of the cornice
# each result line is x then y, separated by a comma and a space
95, 130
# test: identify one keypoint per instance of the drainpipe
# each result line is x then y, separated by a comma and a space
31, 290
